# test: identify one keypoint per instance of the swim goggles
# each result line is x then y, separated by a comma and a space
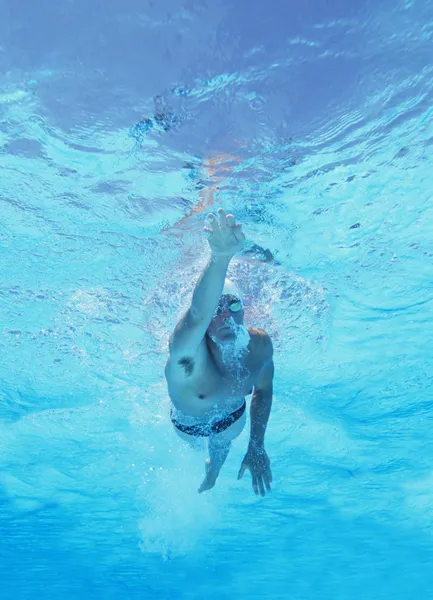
233, 303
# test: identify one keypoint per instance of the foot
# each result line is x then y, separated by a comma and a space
210, 478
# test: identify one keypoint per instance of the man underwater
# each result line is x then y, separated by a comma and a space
215, 361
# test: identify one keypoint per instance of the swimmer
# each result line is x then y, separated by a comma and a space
215, 361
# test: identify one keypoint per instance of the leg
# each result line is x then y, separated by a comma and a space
219, 447
218, 452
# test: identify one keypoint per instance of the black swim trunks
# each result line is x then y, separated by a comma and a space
206, 429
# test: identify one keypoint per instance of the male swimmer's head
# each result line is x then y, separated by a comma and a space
227, 325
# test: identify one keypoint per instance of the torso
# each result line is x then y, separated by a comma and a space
198, 388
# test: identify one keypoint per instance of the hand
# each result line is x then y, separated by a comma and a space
257, 462
225, 236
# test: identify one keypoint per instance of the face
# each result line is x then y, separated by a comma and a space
228, 315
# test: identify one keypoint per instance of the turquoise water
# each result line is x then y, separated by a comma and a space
321, 145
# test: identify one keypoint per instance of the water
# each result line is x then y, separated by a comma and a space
121, 127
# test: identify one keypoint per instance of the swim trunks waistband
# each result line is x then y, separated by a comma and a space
205, 429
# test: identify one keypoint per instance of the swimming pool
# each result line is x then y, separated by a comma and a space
121, 127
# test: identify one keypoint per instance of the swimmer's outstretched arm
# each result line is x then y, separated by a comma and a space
225, 238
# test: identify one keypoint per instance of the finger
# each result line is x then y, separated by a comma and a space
255, 486
261, 486
267, 479
231, 221
269, 474
222, 217
239, 234
242, 471
207, 230
212, 220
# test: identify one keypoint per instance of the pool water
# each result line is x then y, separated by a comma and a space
123, 125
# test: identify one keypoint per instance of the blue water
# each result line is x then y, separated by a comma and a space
122, 124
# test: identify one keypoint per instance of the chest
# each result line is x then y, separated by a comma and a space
205, 383
212, 382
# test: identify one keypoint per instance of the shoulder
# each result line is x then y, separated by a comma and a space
261, 344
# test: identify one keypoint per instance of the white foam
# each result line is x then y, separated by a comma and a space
177, 518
